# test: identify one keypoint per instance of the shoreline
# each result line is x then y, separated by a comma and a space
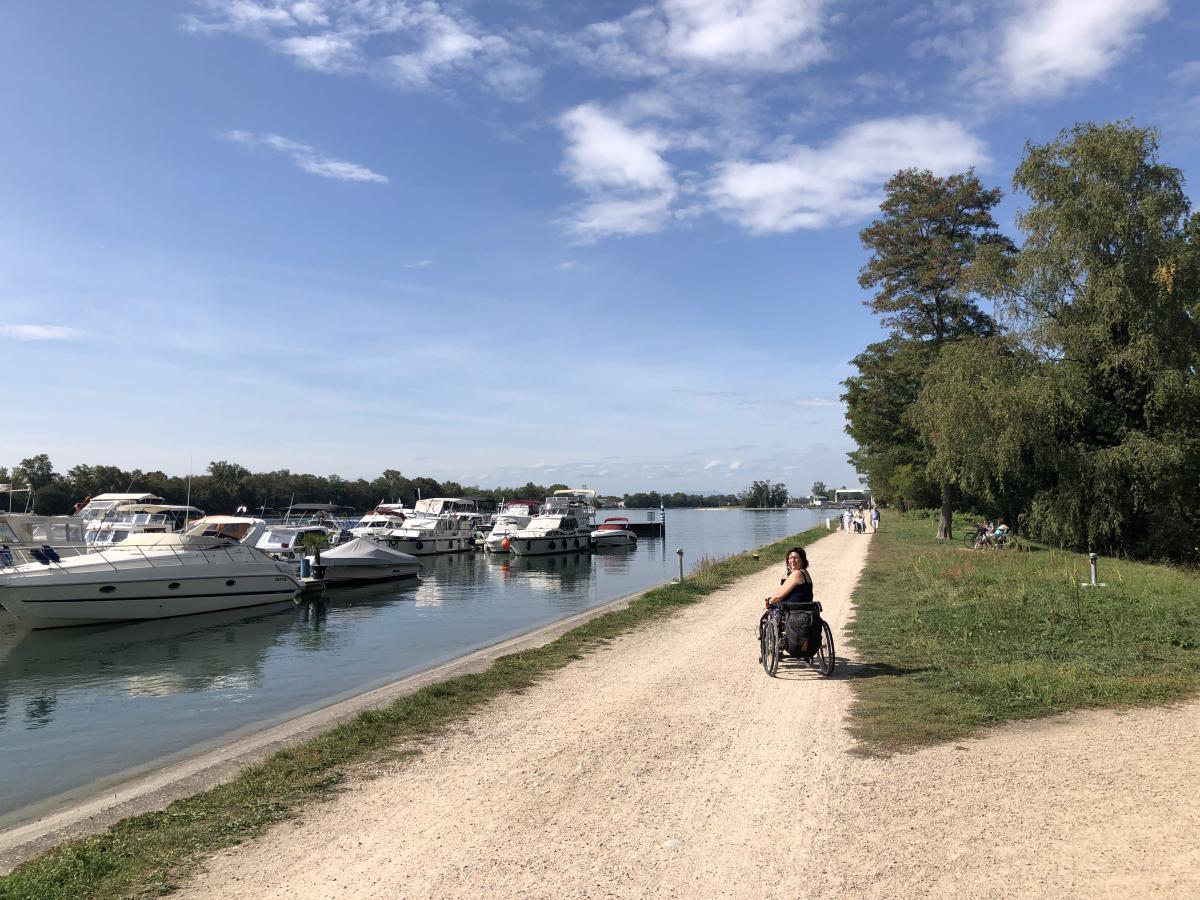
153, 788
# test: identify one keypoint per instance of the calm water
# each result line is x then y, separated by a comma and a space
83, 708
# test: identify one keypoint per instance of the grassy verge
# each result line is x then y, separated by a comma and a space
951, 640
146, 855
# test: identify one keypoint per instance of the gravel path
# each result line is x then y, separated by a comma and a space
669, 765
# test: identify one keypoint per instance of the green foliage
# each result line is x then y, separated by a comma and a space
1106, 285
762, 494
1080, 421
923, 246
147, 855
950, 640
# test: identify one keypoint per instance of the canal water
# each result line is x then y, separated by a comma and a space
84, 708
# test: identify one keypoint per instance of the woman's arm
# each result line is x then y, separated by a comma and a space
788, 584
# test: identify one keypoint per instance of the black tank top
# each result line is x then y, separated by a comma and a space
801, 593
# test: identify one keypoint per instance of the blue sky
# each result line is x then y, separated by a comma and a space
605, 243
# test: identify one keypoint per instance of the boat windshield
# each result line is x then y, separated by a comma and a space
234, 531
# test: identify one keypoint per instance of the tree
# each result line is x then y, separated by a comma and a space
1105, 289
989, 417
35, 472
820, 491
923, 246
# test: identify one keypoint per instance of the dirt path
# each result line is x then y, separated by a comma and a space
668, 763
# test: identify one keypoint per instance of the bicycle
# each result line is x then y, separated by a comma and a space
772, 640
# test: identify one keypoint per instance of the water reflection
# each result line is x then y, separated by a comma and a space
189, 653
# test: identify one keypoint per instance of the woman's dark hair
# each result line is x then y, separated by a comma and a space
803, 556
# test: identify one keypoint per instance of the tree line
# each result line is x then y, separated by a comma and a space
224, 486
1071, 408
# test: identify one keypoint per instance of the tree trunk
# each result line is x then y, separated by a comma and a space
945, 523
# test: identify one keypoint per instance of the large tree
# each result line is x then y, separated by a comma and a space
930, 234
1106, 289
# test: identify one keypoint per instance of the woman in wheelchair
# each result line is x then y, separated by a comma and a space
796, 587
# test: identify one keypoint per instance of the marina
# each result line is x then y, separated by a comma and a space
97, 705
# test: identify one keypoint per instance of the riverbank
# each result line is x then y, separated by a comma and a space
147, 852
963, 639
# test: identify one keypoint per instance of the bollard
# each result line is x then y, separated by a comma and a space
679, 553
1092, 557
829, 524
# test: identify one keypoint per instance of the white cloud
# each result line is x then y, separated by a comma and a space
408, 43
735, 465
622, 168
566, 265
603, 152
1187, 73
419, 264
711, 464
40, 332
816, 187
307, 158
775, 35
1049, 46
730, 35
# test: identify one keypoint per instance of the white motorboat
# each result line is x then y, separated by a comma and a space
549, 533
422, 535
362, 559
210, 567
512, 518
32, 529
380, 522
120, 521
614, 532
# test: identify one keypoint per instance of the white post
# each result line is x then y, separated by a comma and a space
679, 553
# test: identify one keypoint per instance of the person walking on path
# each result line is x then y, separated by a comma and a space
874, 519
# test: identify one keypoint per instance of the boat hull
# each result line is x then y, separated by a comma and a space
542, 546
352, 574
80, 601
430, 546
613, 539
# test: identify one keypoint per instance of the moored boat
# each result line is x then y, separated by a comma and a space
208, 568
614, 532
362, 560
422, 535
549, 533
511, 518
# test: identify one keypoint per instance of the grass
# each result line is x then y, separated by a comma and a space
952, 640
147, 855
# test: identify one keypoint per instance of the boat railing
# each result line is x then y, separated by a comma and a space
117, 557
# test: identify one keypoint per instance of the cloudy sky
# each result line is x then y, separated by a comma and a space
603, 242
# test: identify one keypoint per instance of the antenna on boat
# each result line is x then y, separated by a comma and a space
188, 510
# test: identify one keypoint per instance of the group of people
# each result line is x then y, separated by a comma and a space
858, 520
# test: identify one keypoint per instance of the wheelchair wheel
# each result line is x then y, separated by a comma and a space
769, 648
824, 660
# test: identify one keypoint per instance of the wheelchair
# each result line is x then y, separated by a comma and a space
772, 637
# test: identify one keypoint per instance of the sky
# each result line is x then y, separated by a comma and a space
603, 243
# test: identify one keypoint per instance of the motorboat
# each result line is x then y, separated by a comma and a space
422, 535
380, 522
549, 533
290, 543
614, 531
362, 559
120, 521
577, 502
212, 566
511, 518
28, 528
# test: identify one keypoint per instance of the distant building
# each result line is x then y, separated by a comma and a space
851, 495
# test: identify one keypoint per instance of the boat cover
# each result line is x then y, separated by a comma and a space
364, 551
